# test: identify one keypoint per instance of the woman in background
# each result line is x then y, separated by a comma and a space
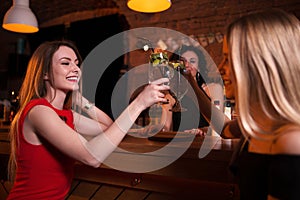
197, 66
196, 63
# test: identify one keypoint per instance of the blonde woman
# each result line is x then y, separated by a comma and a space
265, 63
47, 136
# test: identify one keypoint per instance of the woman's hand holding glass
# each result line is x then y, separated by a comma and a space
152, 93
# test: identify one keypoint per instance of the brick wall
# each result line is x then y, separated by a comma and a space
190, 17
201, 17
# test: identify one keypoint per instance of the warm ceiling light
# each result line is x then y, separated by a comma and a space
20, 18
149, 6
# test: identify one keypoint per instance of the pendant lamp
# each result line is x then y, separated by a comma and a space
149, 6
20, 18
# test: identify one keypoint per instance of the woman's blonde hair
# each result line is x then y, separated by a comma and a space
265, 60
34, 87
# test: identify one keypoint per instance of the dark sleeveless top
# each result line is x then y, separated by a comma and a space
262, 174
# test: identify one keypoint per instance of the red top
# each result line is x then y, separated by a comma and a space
43, 171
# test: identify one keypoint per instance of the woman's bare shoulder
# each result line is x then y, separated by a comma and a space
288, 142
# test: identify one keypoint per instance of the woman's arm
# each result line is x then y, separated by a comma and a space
47, 124
213, 115
98, 121
216, 94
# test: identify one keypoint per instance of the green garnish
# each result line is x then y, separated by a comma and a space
162, 58
159, 58
177, 65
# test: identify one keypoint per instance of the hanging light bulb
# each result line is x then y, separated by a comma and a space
20, 18
149, 6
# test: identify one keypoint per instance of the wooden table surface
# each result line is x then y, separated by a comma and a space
184, 175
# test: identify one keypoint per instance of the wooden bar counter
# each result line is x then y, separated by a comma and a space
186, 177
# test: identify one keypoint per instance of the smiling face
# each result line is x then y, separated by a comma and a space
226, 74
65, 70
